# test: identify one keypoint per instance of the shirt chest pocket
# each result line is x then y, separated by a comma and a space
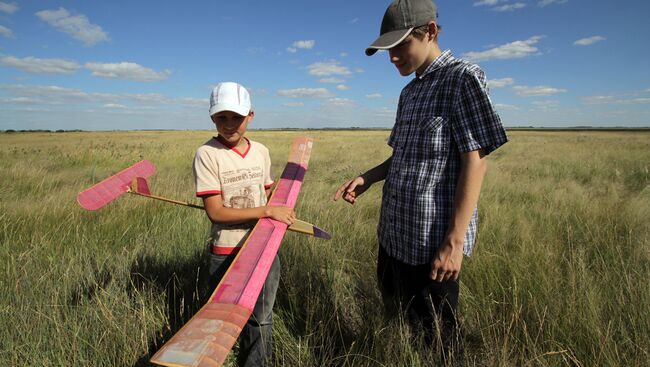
432, 137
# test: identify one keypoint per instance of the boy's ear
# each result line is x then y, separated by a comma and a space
251, 114
433, 31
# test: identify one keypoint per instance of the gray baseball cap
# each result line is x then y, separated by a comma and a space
399, 20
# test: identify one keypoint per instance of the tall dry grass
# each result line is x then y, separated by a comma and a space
559, 276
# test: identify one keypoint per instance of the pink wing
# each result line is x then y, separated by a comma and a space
209, 336
108, 190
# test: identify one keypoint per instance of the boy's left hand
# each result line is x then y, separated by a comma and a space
282, 214
447, 261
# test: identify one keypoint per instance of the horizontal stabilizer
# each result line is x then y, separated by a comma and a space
111, 188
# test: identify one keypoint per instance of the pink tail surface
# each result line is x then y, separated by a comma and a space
108, 190
209, 336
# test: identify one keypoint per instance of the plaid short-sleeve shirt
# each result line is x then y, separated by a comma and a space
442, 113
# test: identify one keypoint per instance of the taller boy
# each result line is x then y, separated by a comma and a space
444, 129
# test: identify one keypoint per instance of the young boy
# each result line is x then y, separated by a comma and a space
444, 129
233, 177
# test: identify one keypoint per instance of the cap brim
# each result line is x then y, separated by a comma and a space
388, 40
241, 110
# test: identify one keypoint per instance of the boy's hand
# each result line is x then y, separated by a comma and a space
351, 190
447, 261
282, 214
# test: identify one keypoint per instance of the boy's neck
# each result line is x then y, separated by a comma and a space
239, 145
434, 53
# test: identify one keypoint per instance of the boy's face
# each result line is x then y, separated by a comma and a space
231, 125
412, 54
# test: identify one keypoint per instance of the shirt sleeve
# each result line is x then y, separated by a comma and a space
392, 137
206, 174
477, 124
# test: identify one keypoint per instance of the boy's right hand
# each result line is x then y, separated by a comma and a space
282, 214
350, 190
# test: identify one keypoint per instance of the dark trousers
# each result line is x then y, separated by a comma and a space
256, 339
408, 289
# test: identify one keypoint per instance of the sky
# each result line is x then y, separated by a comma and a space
125, 65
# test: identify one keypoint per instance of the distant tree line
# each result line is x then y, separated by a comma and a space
9, 131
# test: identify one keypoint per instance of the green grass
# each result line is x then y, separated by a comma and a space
559, 276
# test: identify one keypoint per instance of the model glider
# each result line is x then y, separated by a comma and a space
209, 336
133, 180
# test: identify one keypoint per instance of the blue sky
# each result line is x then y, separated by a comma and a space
105, 65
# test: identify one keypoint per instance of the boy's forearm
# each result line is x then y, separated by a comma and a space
377, 173
468, 189
232, 216
220, 214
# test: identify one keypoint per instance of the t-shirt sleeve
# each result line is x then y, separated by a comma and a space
477, 124
391, 137
268, 175
206, 174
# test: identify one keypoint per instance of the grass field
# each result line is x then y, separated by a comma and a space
560, 275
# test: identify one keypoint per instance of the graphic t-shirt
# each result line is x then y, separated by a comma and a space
241, 178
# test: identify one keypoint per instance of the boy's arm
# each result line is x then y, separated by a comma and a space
220, 214
350, 190
447, 261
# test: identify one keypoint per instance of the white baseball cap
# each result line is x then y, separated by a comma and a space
229, 96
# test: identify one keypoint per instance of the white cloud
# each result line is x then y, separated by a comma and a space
303, 44
331, 80
18, 100
114, 106
70, 97
8, 8
509, 7
486, 2
48, 94
343, 54
512, 50
598, 99
127, 70
342, 87
194, 102
502, 8
500, 83
546, 105
257, 91
588, 41
327, 68
544, 3
6, 32
537, 91
77, 26
373, 95
305, 93
340, 102
294, 104
636, 101
40, 66
503, 106
149, 98
354, 20
386, 112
